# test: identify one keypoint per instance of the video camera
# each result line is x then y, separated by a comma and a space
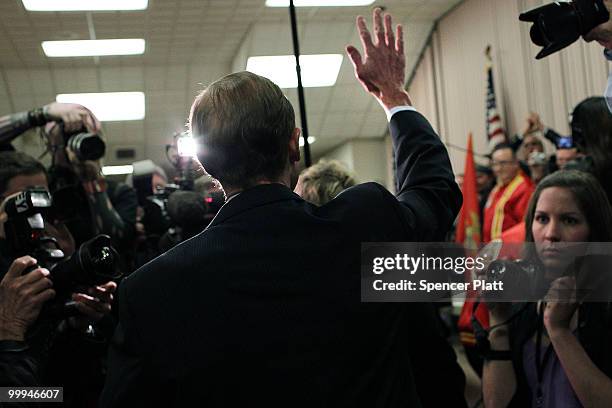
559, 24
95, 262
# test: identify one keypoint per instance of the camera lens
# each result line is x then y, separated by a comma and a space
87, 146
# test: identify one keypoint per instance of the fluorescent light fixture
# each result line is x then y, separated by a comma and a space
84, 5
317, 69
110, 106
311, 140
91, 48
319, 3
117, 170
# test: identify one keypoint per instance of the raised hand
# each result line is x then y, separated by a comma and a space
382, 68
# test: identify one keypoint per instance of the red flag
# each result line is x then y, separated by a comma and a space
468, 226
468, 234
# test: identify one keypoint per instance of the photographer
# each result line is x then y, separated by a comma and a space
565, 155
107, 207
555, 353
66, 352
72, 115
603, 35
592, 135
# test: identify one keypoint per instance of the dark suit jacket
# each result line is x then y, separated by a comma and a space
263, 307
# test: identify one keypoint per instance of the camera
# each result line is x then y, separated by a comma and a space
562, 142
521, 281
559, 24
85, 145
537, 159
156, 219
95, 262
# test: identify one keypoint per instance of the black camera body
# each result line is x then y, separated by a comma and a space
95, 262
156, 218
559, 24
522, 281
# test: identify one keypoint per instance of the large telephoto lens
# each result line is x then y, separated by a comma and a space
87, 146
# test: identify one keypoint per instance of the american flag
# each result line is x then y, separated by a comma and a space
495, 130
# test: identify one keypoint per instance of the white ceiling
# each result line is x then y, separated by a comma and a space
190, 43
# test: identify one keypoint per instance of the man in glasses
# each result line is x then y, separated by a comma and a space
508, 200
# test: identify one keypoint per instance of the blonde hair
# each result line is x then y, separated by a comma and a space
323, 181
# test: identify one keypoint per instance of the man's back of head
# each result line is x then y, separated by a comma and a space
243, 124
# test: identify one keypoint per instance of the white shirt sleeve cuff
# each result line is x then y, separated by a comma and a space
396, 109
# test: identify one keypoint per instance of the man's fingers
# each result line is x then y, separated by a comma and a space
94, 304
91, 122
34, 276
354, 56
109, 286
19, 265
389, 38
379, 31
38, 286
399, 39
88, 311
43, 297
364, 34
103, 294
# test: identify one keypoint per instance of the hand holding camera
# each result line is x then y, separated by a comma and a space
22, 297
93, 306
561, 304
94, 265
73, 116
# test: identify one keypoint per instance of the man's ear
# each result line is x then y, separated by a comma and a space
294, 146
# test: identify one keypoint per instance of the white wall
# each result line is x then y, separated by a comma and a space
450, 84
367, 158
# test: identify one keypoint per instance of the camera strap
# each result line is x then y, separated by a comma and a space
540, 363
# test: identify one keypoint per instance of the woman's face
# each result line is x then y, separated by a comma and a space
558, 221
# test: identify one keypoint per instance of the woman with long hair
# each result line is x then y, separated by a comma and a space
591, 124
560, 351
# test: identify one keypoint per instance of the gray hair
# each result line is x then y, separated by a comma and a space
323, 181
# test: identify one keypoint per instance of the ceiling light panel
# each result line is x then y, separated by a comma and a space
91, 48
110, 106
319, 3
317, 70
117, 170
84, 5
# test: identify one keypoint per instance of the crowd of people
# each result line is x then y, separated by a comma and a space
244, 288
